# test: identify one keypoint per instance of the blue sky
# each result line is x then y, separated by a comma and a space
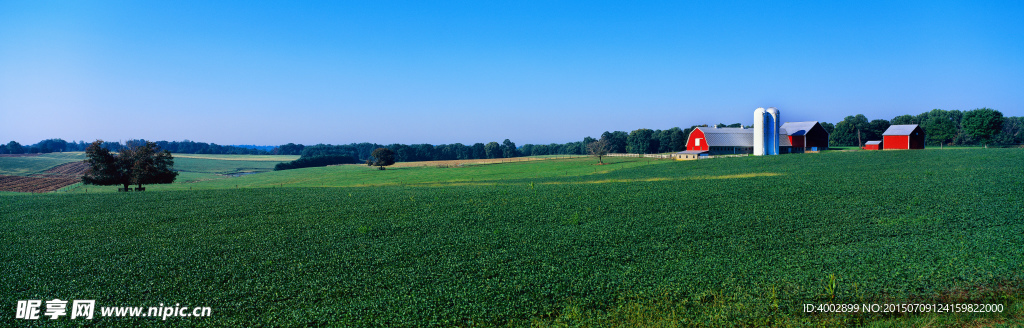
242, 72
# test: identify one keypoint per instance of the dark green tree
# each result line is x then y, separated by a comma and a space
875, 129
616, 141
849, 131
639, 141
14, 147
1011, 133
940, 127
508, 149
904, 120
493, 150
982, 124
383, 157
137, 164
479, 151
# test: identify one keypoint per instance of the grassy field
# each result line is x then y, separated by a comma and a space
724, 242
28, 165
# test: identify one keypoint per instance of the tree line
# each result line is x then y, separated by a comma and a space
973, 127
982, 126
181, 147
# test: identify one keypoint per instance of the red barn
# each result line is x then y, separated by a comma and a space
873, 145
906, 136
719, 141
806, 135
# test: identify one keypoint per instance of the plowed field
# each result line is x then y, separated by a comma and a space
34, 184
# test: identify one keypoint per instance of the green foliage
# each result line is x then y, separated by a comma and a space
851, 131
639, 141
726, 242
136, 164
982, 123
315, 161
493, 150
383, 157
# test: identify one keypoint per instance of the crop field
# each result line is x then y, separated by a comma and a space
355, 175
724, 242
464, 162
28, 165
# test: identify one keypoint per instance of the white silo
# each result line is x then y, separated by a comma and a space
759, 133
773, 135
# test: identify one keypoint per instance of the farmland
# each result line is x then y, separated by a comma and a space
736, 241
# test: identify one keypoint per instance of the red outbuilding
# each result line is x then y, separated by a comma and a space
906, 136
873, 145
806, 136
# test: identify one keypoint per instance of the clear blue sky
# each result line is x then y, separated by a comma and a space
237, 72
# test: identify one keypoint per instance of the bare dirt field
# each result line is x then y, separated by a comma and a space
69, 170
57, 177
34, 184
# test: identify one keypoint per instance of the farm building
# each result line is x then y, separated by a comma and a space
720, 141
806, 135
689, 154
906, 136
873, 145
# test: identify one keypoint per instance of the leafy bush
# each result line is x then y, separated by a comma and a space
315, 161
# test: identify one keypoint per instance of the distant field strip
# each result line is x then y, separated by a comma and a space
251, 158
462, 162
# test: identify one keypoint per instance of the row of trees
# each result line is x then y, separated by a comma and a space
974, 127
981, 126
182, 147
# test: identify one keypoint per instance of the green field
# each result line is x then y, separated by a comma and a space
639, 242
28, 165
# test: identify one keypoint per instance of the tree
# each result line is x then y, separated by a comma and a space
940, 127
875, 129
508, 148
150, 166
848, 132
493, 150
598, 148
137, 164
903, 120
616, 141
1011, 133
383, 157
14, 147
639, 141
479, 151
982, 124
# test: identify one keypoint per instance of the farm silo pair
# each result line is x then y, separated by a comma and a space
766, 131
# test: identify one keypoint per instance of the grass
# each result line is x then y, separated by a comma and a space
28, 165
724, 242
361, 175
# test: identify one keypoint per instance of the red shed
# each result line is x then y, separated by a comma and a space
906, 136
806, 135
873, 145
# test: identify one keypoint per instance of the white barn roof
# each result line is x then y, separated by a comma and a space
876, 142
798, 128
900, 130
736, 137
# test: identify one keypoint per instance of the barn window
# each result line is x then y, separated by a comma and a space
698, 142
